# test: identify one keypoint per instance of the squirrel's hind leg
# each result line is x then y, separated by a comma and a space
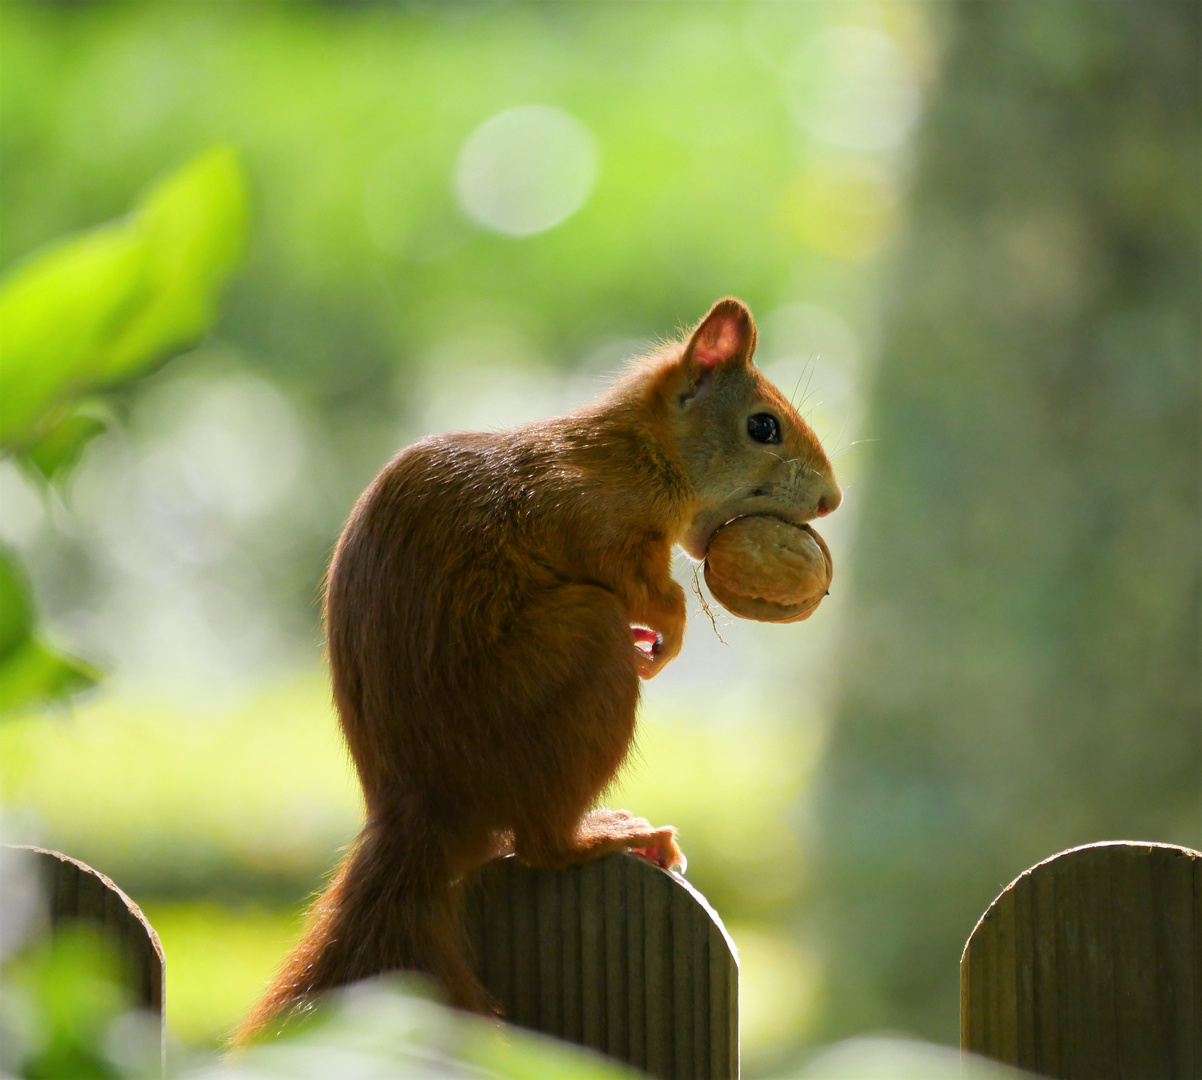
573, 711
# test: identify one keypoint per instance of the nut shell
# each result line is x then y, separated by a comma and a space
763, 568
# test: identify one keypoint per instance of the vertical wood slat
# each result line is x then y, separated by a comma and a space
592, 955
1194, 1051
1096, 966
1090, 965
702, 991
1005, 1001
682, 980
636, 983
1044, 1044
635, 953
494, 947
573, 980
1144, 1028
550, 957
1024, 975
657, 964
617, 1028
723, 1008
523, 919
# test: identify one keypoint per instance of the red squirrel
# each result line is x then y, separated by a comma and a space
490, 608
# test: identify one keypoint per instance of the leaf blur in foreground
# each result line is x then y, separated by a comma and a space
386, 1027
31, 674
894, 1058
65, 1012
100, 308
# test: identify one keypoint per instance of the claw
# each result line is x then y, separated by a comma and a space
652, 855
661, 857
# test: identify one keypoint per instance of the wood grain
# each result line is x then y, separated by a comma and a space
629, 960
1088, 966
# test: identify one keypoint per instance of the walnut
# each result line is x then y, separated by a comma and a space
763, 568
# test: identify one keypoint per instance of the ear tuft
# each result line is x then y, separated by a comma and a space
726, 335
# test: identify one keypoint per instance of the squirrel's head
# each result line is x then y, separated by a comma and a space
745, 448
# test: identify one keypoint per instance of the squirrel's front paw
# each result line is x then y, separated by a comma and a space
646, 644
651, 651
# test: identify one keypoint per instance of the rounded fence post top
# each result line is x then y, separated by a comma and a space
667, 880
615, 954
1089, 964
104, 880
1133, 847
73, 890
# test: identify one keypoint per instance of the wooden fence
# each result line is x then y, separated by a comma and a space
1088, 966
616, 955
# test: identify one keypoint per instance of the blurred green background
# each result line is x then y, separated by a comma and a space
970, 235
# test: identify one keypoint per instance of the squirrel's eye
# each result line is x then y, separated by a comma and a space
764, 428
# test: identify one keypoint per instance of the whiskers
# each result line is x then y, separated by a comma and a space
773, 453
854, 442
807, 373
839, 437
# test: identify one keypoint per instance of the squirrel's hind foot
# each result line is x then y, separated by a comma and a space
602, 832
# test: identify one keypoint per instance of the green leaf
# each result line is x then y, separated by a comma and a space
57, 315
101, 308
58, 451
16, 613
31, 673
34, 675
195, 223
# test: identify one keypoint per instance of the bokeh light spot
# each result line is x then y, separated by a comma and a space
525, 170
843, 209
852, 87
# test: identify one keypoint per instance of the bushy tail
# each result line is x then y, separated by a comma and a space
390, 906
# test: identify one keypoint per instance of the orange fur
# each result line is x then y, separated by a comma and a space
479, 612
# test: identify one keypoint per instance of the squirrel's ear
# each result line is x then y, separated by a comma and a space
726, 335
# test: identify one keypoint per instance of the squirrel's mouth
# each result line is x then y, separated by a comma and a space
696, 541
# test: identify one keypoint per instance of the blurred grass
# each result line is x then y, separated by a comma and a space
163, 799
218, 960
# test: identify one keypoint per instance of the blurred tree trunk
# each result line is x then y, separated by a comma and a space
1022, 670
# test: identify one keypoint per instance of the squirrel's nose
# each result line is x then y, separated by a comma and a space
830, 498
